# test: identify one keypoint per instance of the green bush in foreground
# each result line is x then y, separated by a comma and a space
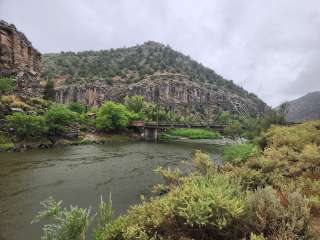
194, 133
69, 223
239, 153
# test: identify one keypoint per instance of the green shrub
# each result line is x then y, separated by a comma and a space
6, 85
277, 215
69, 223
212, 200
27, 126
239, 153
104, 218
233, 129
57, 118
77, 107
6, 147
135, 104
112, 116
194, 133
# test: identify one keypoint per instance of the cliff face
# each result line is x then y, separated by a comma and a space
18, 58
174, 91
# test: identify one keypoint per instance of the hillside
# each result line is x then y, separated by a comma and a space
304, 108
151, 69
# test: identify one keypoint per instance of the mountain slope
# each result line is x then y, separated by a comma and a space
304, 108
149, 69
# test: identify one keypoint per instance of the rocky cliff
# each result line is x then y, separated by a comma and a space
18, 58
174, 91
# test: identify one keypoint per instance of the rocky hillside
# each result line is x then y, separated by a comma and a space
19, 59
304, 108
152, 70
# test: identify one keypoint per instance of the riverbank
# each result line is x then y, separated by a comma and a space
85, 138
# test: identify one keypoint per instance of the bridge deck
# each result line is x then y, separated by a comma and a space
165, 125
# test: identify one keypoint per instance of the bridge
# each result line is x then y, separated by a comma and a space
150, 129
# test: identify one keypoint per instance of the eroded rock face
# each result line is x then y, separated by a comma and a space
19, 58
174, 91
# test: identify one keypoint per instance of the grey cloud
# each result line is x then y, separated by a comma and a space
268, 47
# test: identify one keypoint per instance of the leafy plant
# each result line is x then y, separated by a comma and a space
239, 153
57, 118
6, 85
69, 223
112, 116
27, 125
77, 107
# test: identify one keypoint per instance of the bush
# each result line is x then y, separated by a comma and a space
77, 107
239, 153
112, 116
279, 216
234, 129
135, 104
194, 133
57, 118
69, 224
6, 85
27, 126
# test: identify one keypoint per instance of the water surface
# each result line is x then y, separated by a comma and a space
80, 175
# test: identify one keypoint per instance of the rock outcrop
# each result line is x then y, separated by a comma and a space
174, 91
19, 58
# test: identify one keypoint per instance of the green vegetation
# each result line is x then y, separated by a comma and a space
239, 153
112, 116
27, 125
71, 223
57, 118
77, 107
193, 133
5, 143
6, 85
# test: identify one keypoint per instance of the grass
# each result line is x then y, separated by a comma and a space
239, 153
193, 133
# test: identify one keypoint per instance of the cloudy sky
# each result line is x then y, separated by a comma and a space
271, 48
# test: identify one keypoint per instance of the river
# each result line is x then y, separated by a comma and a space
80, 175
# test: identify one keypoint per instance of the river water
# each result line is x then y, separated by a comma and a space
80, 175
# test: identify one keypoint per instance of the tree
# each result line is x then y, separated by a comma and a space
135, 103
234, 129
224, 118
77, 107
57, 118
112, 116
5, 85
27, 125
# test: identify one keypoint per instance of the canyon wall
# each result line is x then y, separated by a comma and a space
174, 91
19, 58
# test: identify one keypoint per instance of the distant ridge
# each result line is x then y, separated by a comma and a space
304, 108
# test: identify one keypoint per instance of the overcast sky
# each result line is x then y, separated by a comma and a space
271, 47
